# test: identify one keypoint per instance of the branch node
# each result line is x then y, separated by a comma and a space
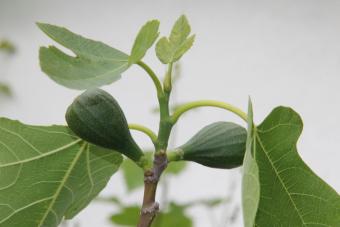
152, 209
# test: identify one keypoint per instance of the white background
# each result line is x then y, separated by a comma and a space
278, 52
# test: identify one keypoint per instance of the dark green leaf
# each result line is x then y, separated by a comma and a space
95, 64
48, 173
144, 40
279, 189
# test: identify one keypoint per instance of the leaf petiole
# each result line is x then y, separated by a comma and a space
153, 76
204, 103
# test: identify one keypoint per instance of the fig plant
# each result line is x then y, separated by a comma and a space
49, 173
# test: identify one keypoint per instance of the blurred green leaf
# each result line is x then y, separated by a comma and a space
128, 216
95, 64
7, 46
133, 175
144, 40
111, 199
175, 168
174, 217
171, 49
5, 89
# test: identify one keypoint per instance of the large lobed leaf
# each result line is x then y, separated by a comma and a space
279, 189
47, 173
94, 65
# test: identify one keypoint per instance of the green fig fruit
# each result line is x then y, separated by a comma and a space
218, 145
96, 117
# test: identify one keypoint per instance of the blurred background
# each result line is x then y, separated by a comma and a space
280, 52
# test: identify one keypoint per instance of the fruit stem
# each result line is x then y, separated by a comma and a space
203, 103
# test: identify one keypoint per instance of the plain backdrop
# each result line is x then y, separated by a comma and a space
283, 52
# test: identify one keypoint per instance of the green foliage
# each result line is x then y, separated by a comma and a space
7, 46
48, 173
128, 216
133, 177
175, 216
218, 145
144, 40
279, 189
171, 49
96, 117
94, 65
5, 89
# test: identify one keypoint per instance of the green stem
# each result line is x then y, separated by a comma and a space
165, 124
145, 130
153, 76
186, 107
168, 79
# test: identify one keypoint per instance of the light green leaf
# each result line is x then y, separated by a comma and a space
48, 173
180, 31
164, 50
133, 175
175, 168
7, 46
144, 40
94, 65
175, 216
171, 49
279, 189
5, 89
128, 216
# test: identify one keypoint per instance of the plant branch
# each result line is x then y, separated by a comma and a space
145, 130
203, 103
150, 207
153, 76
151, 177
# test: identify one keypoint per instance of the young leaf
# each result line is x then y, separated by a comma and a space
279, 189
144, 40
95, 64
47, 173
171, 49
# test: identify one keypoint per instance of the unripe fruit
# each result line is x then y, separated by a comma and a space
218, 145
96, 117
